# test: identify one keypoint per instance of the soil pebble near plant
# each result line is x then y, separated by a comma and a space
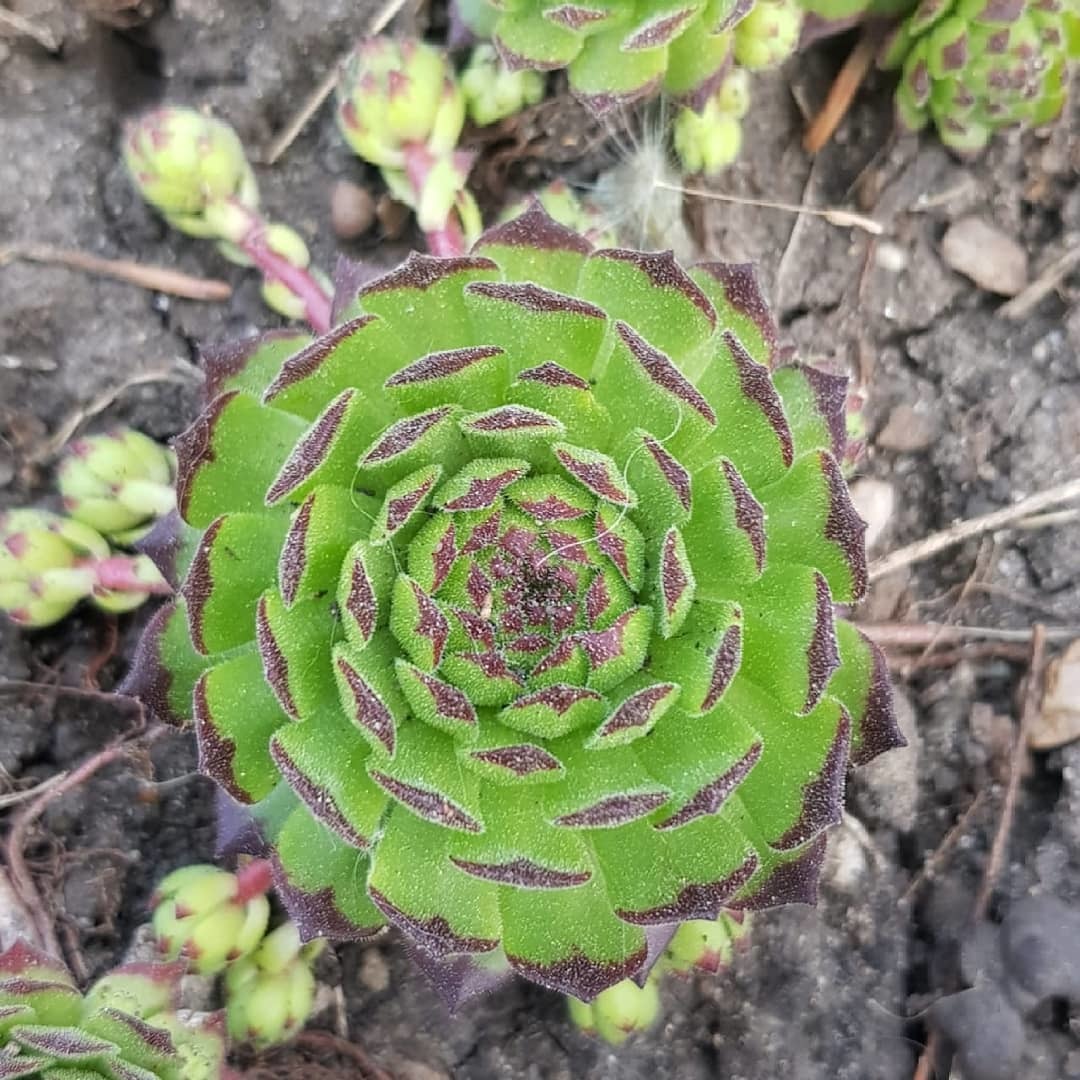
979, 411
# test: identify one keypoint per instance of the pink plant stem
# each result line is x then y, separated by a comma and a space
118, 574
317, 303
447, 241
253, 879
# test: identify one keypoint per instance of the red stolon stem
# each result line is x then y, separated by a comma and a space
317, 302
253, 879
448, 240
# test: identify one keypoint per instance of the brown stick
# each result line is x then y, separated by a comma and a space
972, 527
1032, 699
843, 90
902, 635
155, 278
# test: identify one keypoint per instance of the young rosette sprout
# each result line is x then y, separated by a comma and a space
492, 91
192, 169
269, 995
510, 607
769, 34
123, 1028
619, 1011
709, 141
209, 917
118, 483
49, 564
706, 945
399, 106
971, 67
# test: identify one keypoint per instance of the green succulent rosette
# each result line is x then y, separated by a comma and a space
508, 606
616, 51
971, 67
123, 1028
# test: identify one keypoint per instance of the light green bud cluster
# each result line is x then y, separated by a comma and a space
269, 994
705, 944
492, 91
709, 141
769, 34
48, 564
618, 1012
191, 167
209, 917
399, 107
184, 163
118, 483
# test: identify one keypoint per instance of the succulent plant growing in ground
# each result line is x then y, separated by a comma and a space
508, 607
492, 91
709, 141
210, 917
971, 67
399, 106
123, 1028
270, 993
118, 483
193, 170
618, 52
49, 564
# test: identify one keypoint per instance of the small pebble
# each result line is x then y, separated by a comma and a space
906, 431
891, 257
352, 210
982, 252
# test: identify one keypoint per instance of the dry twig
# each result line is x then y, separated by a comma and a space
315, 99
1028, 713
972, 527
903, 635
155, 278
1022, 304
843, 90
52, 446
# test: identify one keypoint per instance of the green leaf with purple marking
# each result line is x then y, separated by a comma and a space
123, 1028
520, 634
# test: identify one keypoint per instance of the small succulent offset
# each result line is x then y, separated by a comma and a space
192, 169
492, 91
971, 67
399, 107
209, 917
618, 51
123, 1028
49, 564
119, 483
507, 607
270, 993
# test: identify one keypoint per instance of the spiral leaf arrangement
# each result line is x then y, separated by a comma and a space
508, 606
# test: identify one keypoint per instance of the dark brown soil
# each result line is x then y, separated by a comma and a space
989, 411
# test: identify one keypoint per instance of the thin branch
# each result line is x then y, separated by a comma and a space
842, 219
315, 99
21, 878
972, 527
844, 88
901, 635
155, 278
1022, 304
71, 423
1028, 714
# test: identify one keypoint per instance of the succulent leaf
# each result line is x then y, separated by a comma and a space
971, 67
123, 1028
582, 543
